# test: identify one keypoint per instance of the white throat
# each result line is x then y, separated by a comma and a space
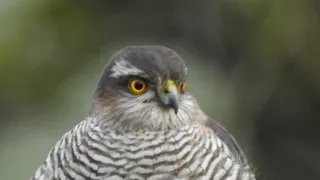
133, 115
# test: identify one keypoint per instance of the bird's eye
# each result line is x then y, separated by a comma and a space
137, 86
183, 86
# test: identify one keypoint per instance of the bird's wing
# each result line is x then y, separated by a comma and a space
228, 139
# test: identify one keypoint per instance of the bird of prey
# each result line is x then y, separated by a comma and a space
144, 124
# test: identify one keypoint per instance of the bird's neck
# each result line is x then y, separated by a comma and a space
133, 116
147, 119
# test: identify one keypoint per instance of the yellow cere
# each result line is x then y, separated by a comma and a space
137, 86
169, 83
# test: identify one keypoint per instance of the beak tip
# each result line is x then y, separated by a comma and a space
176, 111
175, 107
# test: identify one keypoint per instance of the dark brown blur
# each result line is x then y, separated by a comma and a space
253, 66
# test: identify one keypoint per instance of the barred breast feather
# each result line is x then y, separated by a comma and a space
191, 152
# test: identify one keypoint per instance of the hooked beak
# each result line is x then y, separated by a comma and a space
168, 95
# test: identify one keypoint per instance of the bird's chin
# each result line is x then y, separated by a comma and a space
151, 114
166, 109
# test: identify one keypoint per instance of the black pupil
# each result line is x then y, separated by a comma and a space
138, 85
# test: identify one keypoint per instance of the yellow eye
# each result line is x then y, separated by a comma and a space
183, 86
137, 86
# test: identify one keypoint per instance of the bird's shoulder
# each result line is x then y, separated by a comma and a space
227, 138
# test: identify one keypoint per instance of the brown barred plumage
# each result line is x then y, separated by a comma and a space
88, 151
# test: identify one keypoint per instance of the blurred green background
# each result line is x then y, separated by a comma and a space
253, 66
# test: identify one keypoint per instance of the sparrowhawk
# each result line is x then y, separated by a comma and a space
144, 124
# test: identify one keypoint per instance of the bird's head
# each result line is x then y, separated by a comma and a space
145, 87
